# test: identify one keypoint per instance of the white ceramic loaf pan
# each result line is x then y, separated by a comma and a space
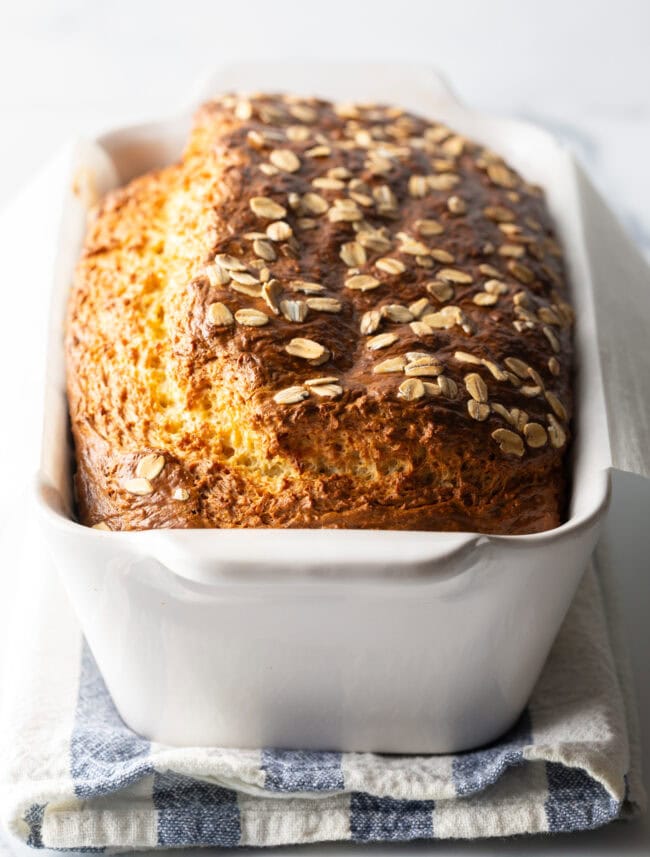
344, 640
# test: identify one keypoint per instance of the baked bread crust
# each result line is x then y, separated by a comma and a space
409, 268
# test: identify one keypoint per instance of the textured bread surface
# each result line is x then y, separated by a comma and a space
322, 316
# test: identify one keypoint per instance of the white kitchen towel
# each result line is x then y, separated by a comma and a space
73, 776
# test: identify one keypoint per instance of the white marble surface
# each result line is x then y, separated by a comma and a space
582, 67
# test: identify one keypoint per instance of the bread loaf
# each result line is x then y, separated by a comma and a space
325, 315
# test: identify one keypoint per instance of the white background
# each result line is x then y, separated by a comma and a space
582, 67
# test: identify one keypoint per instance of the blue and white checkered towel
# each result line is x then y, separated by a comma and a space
73, 776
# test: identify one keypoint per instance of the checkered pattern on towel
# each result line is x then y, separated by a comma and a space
80, 779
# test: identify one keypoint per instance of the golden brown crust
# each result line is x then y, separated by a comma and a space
347, 240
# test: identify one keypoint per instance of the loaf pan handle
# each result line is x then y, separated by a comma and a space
415, 86
214, 557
